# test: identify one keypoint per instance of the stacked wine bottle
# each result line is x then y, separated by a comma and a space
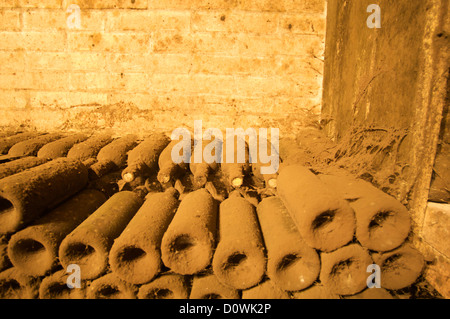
97, 216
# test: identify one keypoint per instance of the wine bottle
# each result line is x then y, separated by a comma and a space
61, 147
7, 142
165, 286
15, 285
90, 147
209, 287
258, 166
187, 245
31, 147
371, 294
54, 286
143, 159
5, 263
110, 286
135, 256
9, 133
382, 222
107, 184
265, 290
235, 161
113, 156
239, 260
400, 267
168, 169
19, 165
27, 195
317, 291
324, 219
202, 168
34, 250
89, 244
292, 265
344, 271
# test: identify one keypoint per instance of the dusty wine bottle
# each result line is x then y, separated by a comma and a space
400, 267
316, 291
34, 250
15, 285
111, 287
239, 260
265, 290
165, 286
292, 264
382, 222
89, 162
269, 179
218, 194
235, 161
89, 244
90, 147
135, 256
378, 293
143, 159
54, 286
31, 147
60, 147
7, 142
9, 133
113, 156
4, 259
344, 271
107, 184
178, 185
19, 165
187, 245
210, 164
168, 169
209, 287
324, 219
25, 196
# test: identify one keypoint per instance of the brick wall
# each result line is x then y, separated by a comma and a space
142, 64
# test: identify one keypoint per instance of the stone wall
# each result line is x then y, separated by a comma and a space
134, 65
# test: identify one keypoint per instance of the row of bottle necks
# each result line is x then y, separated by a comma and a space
103, 154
